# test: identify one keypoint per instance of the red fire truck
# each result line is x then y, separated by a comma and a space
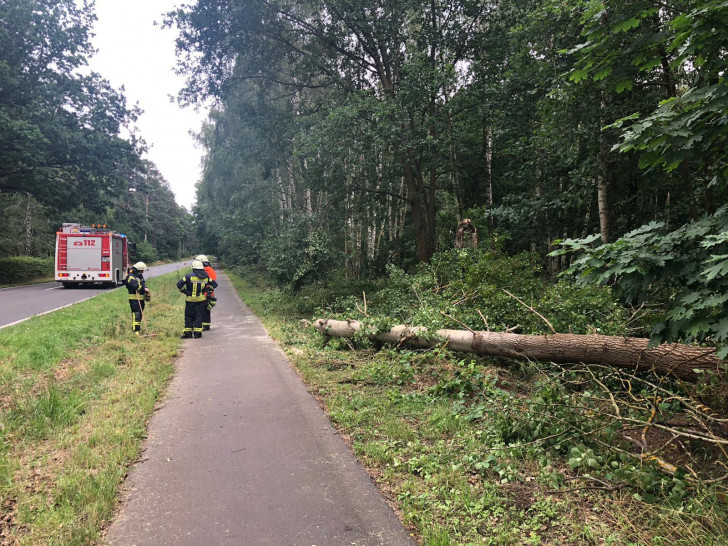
86, 255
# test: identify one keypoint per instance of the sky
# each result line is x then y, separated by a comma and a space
135, 53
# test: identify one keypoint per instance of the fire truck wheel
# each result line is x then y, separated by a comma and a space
69, 285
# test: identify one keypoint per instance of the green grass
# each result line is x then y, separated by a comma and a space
76, 391
434, 431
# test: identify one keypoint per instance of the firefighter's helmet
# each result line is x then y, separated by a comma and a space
197, 264
140, 266
202, 258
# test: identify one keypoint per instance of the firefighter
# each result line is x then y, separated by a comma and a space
211, 299
195, 285
138, 294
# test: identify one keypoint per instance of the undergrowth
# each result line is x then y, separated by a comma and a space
474, 450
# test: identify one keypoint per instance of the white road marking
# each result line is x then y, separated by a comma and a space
46, 312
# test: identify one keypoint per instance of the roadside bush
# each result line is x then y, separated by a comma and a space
145, 252
24, 268
481, 290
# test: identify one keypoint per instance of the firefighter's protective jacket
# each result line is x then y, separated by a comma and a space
196, 285
136, 285
213, 276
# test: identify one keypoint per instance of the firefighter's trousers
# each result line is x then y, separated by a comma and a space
194, 313
137, 310
206, 318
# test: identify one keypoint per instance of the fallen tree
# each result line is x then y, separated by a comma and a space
676, 360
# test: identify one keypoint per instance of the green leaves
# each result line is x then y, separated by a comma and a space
619, 35
624, 26
59, 130
686, 268
623, 85
693, 123
718, 270
581, 74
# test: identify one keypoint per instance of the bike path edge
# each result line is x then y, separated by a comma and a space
240, 453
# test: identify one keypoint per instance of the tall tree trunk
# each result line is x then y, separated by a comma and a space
350, 232
603, 173
667, 210
419, 217
454, 170
534, 220
671, 92
282, 200
431, 210
488, 159
602, 194
432, 189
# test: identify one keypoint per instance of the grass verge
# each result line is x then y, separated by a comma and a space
462, 449
76, 391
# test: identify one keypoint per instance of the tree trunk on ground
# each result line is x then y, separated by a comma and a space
673, 359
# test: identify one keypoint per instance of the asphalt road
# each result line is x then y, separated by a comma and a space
22, 302
241, 454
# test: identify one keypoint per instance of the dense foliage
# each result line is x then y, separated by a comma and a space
24, 268
484, 291
62, 154
349, 136
685, 269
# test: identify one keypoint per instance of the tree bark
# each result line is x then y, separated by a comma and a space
419, 218
670, 359
603, 175
488, 158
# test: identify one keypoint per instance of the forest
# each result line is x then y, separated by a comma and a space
511, 169
356, 152
352, 137
69, 151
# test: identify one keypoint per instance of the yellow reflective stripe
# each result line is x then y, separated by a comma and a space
197, 287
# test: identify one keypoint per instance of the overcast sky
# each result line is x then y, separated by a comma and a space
135, 53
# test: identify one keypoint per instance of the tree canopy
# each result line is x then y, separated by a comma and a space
68, 147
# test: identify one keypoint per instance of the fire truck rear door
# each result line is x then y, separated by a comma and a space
84, 253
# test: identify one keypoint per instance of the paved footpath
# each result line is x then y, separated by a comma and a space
240, 453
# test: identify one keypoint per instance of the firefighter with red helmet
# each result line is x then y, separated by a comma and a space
211, 299
138, 294
195, 285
